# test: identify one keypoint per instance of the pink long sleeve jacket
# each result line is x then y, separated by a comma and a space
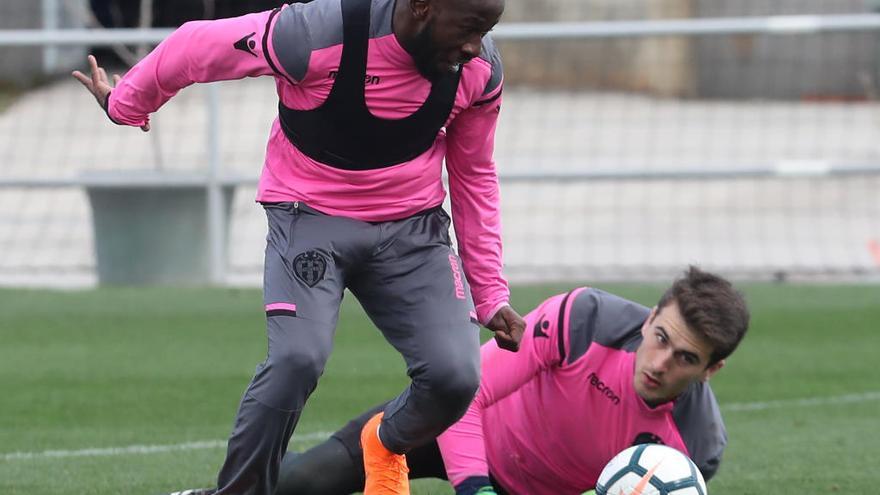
300, 45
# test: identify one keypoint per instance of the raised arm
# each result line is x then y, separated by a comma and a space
198, 51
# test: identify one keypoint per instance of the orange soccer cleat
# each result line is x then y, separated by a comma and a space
386, 471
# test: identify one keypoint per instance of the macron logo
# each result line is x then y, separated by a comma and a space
246, 44
457, 279
604, 389
368, 79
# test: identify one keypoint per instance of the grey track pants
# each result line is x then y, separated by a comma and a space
408, 280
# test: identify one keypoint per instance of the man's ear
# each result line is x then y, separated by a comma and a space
419, 8
711, 370
648, 321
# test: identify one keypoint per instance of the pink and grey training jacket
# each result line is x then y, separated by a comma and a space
548, 418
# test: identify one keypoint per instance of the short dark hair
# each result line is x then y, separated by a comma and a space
712, 307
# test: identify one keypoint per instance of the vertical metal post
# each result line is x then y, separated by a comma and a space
216, 202
51, 17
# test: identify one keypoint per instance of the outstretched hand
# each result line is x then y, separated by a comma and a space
99, 85
508, 327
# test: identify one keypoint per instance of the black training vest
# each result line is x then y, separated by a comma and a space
342, 132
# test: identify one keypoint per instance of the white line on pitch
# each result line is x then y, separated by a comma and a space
320, 435
812, 401
140, 449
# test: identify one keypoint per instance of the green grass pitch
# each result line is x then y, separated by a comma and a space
114, 368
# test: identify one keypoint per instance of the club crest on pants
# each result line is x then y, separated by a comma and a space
309, 267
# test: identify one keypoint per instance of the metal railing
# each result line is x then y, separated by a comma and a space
214, 179
775, 25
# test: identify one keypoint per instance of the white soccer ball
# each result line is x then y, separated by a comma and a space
651, 469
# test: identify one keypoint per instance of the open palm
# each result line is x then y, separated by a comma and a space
99, 85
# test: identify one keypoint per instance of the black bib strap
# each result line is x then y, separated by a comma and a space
349, 83
342, 132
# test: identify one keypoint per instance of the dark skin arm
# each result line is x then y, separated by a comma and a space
508, 327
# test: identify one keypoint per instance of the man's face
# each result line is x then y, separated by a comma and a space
452, 34
670, 357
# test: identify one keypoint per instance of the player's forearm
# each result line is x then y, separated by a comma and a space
479, 245
481, 258
463, 448
476, 211
199, 51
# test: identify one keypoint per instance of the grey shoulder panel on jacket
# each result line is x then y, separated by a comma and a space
698, 418
302, 28
601, 317
381, 14
489, 53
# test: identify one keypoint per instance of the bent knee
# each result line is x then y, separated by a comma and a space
455, 382
297, 362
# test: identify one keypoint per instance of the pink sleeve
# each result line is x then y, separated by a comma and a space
199, 51
502, 373
473, 187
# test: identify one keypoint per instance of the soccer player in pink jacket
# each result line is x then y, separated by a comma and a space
595, 373
373, 96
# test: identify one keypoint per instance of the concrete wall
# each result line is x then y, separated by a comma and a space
839, 66
816, 66
573, 10
820, 66
657, 66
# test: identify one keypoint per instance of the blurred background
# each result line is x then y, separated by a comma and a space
636, 136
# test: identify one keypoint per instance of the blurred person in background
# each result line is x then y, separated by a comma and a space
173, 13
374, 96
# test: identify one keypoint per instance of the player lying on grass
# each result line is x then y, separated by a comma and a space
595, 374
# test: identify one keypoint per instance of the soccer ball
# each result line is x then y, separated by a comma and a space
651, 469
